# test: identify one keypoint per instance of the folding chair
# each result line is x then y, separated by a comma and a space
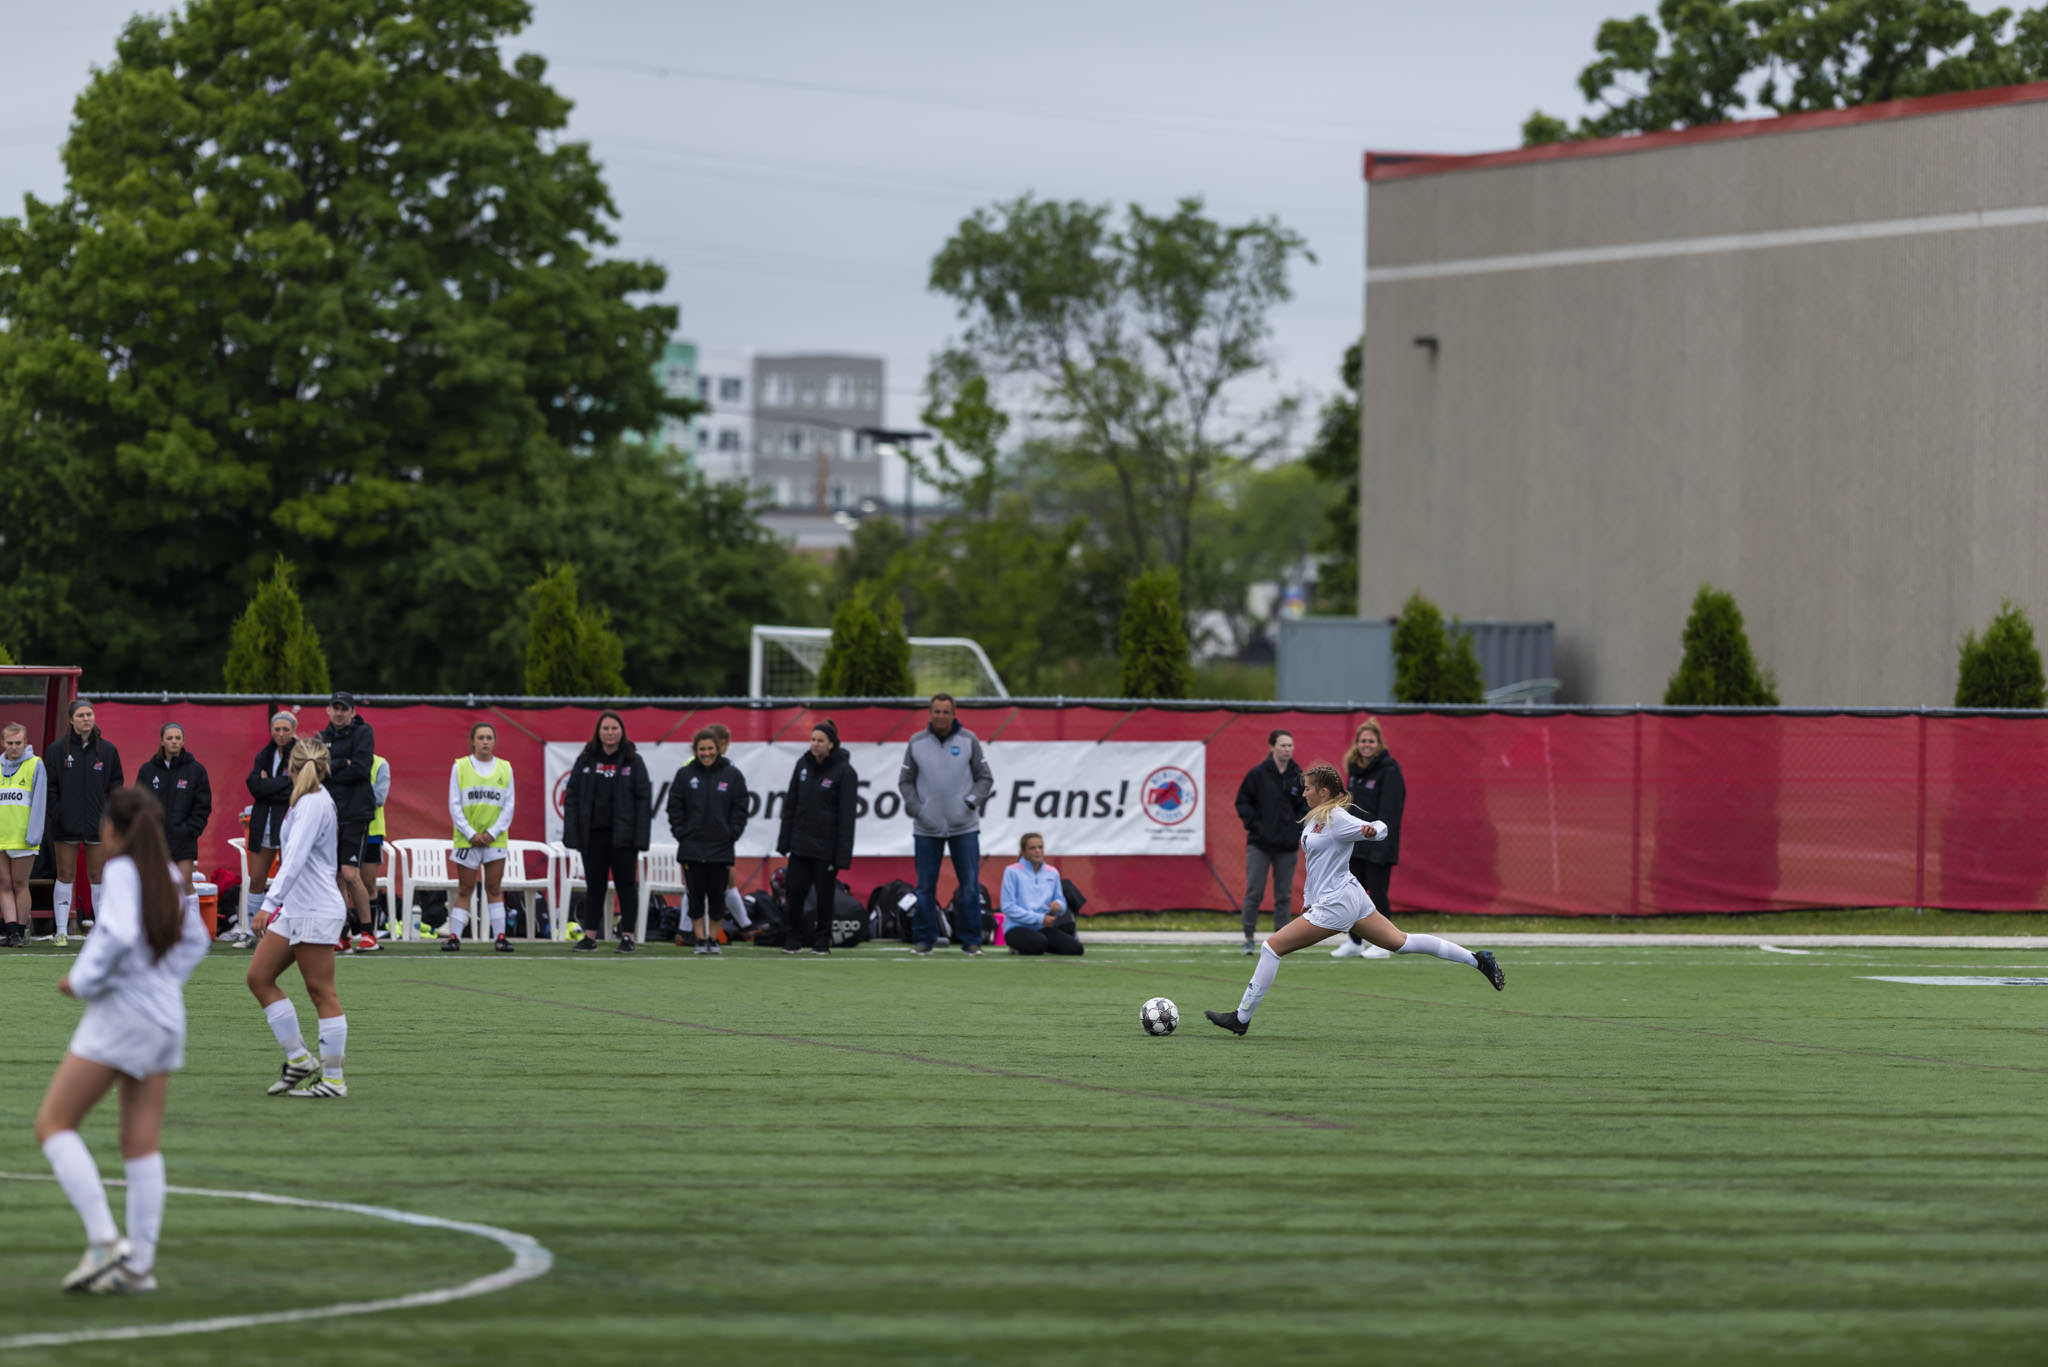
425, 867
567, 868
660, 871
519, 879
385, 884
241, 848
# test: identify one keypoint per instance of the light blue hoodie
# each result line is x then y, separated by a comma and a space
1028, 895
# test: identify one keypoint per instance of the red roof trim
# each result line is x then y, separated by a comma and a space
1402, 165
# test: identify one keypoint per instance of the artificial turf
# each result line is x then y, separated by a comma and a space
1630, 1156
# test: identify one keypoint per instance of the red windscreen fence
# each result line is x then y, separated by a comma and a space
1571, 814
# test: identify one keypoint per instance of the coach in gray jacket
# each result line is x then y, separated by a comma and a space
945, 784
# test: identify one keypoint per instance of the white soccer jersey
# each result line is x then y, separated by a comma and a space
306, 870
1328, 850
116, 961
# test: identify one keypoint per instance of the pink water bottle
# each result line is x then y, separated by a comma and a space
999, 928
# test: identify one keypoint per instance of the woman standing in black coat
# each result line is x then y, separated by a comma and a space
1378, 793
270, 797
607, 814
178, 782
707, 811
84, 768
817, 835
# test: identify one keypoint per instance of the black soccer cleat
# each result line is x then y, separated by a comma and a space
625, 945
1490, 966
452, 945
1229, 1021
502, 945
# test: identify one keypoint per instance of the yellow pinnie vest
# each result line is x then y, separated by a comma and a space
377, 766
17, 797
483, 797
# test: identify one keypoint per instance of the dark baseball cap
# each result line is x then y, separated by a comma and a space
342, 698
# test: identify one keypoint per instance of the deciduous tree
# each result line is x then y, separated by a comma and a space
1708, 61
327, 281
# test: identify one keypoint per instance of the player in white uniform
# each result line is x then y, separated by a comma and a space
1336, 901
131, 975
308, 923
480, 803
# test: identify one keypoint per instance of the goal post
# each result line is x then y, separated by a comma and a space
783, 662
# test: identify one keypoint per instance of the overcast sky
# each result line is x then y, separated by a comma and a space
795, 163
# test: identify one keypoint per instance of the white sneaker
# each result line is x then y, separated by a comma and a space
99, 1260
324, 1089
123, 1280
1375, 952
1350, 949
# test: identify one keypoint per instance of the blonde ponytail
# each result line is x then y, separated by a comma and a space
309, 767
1324, 775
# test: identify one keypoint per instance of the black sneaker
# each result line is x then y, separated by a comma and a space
451, 945
921, 949
586, 945
1229, 1021
791, 949
1492, 969
826, 950
503, 945
971, 950
625, 944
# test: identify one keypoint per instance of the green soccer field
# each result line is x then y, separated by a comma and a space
1630, 1156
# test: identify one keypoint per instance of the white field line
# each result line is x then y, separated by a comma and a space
529, 1260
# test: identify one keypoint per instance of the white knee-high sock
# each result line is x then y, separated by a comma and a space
736, 907
458, 919
1442, 949
60, 904
1262, 978
145, 1209
72, 1162
96, 902
284, 1023
333, 1046
496, 911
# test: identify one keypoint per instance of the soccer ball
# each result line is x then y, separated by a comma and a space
1159, 1016
572, 932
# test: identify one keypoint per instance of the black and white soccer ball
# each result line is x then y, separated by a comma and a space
1159, 1016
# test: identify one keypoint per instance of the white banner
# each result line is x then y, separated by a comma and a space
1084, 797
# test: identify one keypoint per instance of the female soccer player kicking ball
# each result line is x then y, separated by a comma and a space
145, 943
305, 932
1337, 901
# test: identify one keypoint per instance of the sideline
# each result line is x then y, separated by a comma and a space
530, 1259
1560, 939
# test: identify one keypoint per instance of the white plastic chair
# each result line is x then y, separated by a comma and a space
241, 847
517, 879
660, 871
568, 875
425, 867
385, 885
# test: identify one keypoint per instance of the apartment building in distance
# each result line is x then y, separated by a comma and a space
725, 429
809, 410
677, 376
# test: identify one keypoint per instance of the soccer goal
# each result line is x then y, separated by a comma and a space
783, 662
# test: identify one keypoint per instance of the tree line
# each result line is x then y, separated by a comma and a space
1708, 61
328, 284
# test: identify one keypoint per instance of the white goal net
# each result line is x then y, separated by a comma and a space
785, 662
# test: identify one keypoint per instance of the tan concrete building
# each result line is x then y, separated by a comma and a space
1804, 359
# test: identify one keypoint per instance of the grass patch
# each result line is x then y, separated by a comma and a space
1707, 1155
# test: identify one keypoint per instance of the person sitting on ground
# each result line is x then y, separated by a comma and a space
1034, 904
